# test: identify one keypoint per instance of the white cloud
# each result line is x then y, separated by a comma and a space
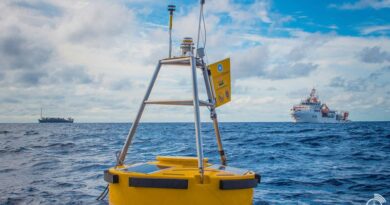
373, 55
362, 4
383, 29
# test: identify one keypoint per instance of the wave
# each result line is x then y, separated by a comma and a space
56, 145
290, 131
282, 144
13, 150
4, 132
308, 163
7, 170
31, 132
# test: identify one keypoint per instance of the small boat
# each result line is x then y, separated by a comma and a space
174, 180
54, 119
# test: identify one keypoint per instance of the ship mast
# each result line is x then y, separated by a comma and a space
313, 92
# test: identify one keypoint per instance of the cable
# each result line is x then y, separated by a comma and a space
103, 194
205, 39
117, 157
204, 28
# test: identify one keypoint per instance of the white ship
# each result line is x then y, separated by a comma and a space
311, 110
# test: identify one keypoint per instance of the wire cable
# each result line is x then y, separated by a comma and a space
103, 195
205, 33
205, 39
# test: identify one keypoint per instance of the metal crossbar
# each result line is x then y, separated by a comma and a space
178, 102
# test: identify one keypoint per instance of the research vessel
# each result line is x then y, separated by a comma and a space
313, 111
177, 180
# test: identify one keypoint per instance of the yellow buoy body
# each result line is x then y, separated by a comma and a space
176, 181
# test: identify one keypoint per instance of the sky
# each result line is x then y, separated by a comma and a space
93, 59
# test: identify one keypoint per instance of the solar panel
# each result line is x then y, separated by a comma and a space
145, 168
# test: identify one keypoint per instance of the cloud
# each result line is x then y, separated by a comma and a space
262, 10
122, 84
279, 59
363, 4
349, 85
307, 44
291, 70
381, 29
17, 51
30, 78
97, 23
337, 82
44, 8
257, 62
251, 62
242, 13
71, 75
373, 55
10, 100
375, 80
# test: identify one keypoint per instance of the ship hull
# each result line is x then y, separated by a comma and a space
313, 117
55, 121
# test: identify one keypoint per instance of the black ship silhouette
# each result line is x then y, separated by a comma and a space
54, 119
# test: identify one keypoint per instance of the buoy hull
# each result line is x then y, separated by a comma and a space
179, 183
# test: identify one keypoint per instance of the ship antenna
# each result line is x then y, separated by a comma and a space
41, 112
171, 9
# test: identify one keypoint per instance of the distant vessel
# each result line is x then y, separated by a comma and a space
54, 119
311, 110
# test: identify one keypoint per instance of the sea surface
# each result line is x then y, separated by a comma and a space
299, 163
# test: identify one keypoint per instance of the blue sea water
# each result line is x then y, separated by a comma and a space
299, 163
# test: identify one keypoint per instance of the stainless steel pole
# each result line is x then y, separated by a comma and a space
134, 126
200, 20
199, 143
170, 42
213, 114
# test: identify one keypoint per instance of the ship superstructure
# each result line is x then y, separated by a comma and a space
312, 110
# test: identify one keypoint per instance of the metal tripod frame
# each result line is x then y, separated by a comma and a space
194, 63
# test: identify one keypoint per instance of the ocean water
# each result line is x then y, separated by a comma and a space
299, 163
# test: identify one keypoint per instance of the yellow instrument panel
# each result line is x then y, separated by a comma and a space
220, 78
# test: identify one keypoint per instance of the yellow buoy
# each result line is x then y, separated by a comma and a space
184, 180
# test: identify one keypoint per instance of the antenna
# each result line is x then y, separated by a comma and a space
41, 112
171, 9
